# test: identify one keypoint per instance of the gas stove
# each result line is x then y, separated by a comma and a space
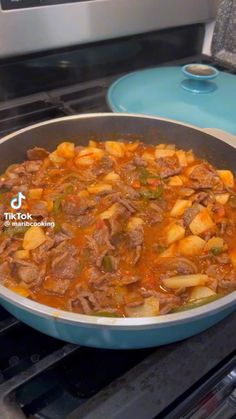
41, 377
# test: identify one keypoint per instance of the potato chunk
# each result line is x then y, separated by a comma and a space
115, 149
54, 158
88, 156
99, 188
179, 207
163, 153
200, 292
35, 193
181, 155
175, 181
20, 290
33, 238
111, 177
105, 215
201, 222
66, 150
131, 146
170, 251
22, 254
174, 232
92, 143
222, 198
148, 157
185, 281
191, 246
190, 157
134, 222
150, 307
227, 177
215, 243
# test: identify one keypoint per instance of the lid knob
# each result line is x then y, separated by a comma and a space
199, 78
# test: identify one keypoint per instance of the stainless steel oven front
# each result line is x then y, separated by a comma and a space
35, 25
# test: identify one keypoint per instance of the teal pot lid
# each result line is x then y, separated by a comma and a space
159, 92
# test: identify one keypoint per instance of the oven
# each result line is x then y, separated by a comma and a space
34, 25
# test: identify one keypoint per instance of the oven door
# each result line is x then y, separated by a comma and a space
35, 25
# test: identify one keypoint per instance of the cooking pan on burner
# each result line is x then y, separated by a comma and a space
111, 332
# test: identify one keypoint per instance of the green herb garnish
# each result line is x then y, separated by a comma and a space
152, 194
57, 227
144, 175
216, 251
14, 231
197, 303
83, 261
69, 189
107, 264
159, 248
57, 204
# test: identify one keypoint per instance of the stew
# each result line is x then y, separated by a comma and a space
118, 229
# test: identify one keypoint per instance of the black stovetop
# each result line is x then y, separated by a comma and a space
41, 377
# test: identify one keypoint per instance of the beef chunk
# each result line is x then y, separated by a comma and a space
204, 198
139, 162
127, 204
127, 191
85, 220
67, 229
20, 188
76, 207
204, 176
136, 238
60, 237
167, 301
29, 273
214, 271
153, 214
9, 182
32, 166
37, 153
98, 280
10, 249
4, 244
85, 300
5, 271
99, 244
115, 222
223, 259
41, 253
57, 286
104, 165
229, 281
190, 214
127, 280
64, 266
39, 209
178, 265
168, 166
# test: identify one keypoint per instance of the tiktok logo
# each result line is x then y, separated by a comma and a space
17, 202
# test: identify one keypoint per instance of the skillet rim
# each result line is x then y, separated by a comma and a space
117, 322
